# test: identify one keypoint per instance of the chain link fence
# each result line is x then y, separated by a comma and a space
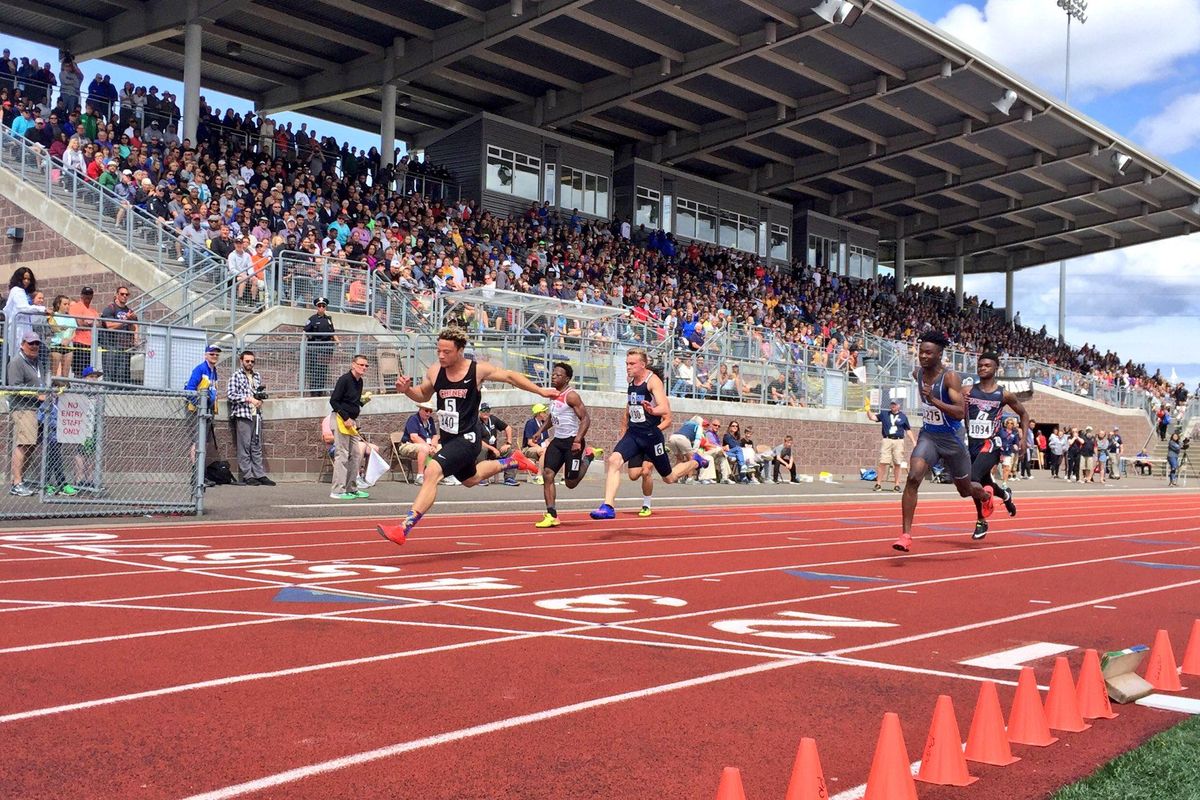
85, 448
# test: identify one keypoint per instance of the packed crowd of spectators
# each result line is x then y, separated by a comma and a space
301, 195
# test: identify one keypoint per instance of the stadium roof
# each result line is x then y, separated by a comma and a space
882, 120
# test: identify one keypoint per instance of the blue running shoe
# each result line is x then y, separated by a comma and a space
605, 511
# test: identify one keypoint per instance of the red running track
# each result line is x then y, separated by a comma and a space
630, 659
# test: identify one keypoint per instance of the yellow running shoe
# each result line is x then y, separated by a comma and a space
548, 521
645, 512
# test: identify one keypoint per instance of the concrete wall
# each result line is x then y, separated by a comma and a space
840, 442
64, 252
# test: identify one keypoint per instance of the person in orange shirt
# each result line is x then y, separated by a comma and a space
258, 263
356, 294
85, 318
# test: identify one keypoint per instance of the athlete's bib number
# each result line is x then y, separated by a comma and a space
637, 413
979, 428
447, 416
933, 416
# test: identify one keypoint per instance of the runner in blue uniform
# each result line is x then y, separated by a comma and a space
942, 411
641, 434
986, 400
456, 381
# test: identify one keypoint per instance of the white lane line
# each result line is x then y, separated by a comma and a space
930, 582
1017, 657
1014, 618
253, 676
1184, 705
368, 756
905, 591
1106, 608
1040, 602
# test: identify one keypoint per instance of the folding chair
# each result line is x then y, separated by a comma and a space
406, 467
388, 362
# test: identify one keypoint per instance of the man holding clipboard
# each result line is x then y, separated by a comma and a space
349, 448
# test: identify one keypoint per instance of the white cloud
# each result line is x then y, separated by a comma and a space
1141, 302
1124, 43
1173, 130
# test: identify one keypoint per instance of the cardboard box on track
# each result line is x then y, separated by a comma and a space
1120, 677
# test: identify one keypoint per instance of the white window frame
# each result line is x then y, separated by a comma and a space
651, 197
512, 160
587, 202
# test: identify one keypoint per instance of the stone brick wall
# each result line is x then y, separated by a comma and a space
41, 242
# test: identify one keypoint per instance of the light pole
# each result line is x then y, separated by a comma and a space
1075, 9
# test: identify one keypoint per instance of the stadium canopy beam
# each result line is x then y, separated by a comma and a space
606, 93
1046, 199
151, 22
418, 58
1042, 232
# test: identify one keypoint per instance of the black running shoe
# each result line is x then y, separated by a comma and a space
981, 529
1009, 504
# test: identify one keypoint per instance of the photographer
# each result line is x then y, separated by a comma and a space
1174, 449
246, 394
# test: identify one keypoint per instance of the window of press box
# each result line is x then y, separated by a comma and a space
509, 172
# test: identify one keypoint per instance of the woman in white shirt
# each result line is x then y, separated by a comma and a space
73, 158
18, 307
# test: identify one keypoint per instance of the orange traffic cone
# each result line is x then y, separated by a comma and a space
1191, 656
1161, 671
730, 787
1027, 719
987, 742
1062, 705
808, 781
1091, 691
891, 771
943, 762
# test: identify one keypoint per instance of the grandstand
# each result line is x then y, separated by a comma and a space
746, 189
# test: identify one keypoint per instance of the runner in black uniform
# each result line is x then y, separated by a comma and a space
985, 400
647, 405
456, 381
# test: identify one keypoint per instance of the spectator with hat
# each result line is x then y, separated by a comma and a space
23, 371
895, 428
320, 338
496, 438
534, 438
421, 438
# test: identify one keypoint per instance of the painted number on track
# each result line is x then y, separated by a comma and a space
54, 538
227, 558
606, 603
328, 571
794, 625
480, 584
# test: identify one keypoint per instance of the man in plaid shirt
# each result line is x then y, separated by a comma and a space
245, 397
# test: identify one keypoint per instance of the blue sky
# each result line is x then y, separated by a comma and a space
1135, 69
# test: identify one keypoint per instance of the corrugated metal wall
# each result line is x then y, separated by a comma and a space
460, 152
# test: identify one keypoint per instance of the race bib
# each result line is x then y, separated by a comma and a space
933, 416
637, 414
979, 428
448, 421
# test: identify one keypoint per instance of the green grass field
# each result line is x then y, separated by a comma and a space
1166, 767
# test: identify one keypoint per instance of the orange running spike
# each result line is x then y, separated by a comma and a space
808, 781
730, 787
943, 762
1027, 719
1062, 704
1161, 671
1191, 656
1091, 691
891, 771
987, 742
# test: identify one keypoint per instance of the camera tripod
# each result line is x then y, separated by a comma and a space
1186, 469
